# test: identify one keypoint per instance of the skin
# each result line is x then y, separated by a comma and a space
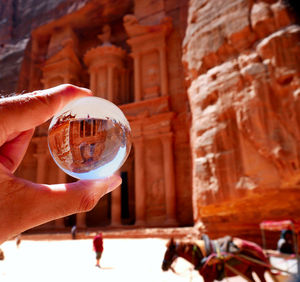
24, 204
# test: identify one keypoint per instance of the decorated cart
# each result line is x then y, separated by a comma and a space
285, 264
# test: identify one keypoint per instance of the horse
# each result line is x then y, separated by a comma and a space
1, 255
241, 257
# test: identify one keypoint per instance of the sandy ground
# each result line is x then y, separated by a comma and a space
74, 260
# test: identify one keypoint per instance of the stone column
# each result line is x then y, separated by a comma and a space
137, 78
41, 157
116, 207
110, 81
102, 63
80, 217
163, 71
59, 223
81, 220
167, 142
140, 193
61, 178
123, 87
41, 166
93, 81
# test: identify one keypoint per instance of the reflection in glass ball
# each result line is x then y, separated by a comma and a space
90, 138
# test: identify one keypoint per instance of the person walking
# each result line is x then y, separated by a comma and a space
98, 247
73, 232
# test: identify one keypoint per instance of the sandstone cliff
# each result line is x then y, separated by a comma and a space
243, 64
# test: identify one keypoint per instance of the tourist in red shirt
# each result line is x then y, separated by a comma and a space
98, 247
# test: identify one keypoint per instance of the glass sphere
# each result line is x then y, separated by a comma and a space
90, 138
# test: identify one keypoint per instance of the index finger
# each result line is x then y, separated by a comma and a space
23, 112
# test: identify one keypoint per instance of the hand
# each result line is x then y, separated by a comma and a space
24, 204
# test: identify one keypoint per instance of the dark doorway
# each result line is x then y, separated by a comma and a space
124, 196
127, 200
100, 215
70, 220
128, 191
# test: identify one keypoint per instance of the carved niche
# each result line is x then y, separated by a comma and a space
62, 64
148, 45
107, 71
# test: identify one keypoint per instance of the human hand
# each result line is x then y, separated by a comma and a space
24, 204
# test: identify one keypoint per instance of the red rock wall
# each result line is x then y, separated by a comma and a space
6, 23
18, 19
242, 61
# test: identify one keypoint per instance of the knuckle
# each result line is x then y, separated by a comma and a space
69, 88
87, 202
43, 101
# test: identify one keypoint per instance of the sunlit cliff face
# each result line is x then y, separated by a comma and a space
244, 96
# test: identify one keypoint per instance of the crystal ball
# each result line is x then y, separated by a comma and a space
90, 138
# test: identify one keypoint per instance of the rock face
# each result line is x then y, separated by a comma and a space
243, 61
18, 18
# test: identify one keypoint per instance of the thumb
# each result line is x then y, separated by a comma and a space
64, 199
24, 204
89, 192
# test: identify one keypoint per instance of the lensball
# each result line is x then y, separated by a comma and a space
90, 138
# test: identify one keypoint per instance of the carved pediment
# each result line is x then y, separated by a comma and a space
103, 55
65, 53
134, 29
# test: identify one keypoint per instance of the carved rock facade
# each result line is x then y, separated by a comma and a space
131, 55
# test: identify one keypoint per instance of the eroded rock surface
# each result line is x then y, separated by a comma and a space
242, 61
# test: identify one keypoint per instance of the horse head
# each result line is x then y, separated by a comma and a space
170, 255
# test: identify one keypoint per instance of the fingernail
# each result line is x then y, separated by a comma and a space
113, 182
86, 90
